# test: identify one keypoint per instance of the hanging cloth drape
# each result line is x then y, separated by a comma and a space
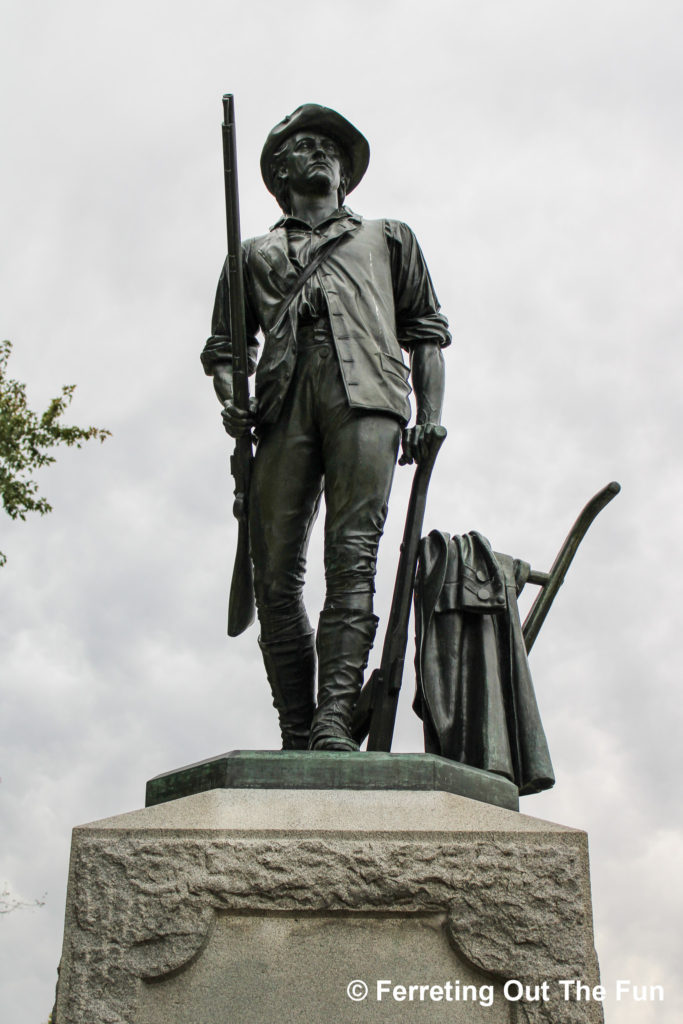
474, 690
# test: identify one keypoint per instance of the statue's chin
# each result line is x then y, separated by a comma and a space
320, 185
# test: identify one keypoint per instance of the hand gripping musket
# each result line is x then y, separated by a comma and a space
376, 709
241, 607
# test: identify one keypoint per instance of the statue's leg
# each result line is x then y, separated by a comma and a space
290, 668
283, 505
345, 636
359, 455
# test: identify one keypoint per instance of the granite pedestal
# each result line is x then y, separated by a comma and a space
262, 906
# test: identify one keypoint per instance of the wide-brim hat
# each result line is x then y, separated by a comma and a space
328, 122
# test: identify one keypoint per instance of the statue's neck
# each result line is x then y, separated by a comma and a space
313, 209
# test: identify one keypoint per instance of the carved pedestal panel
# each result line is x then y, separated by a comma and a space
265, 906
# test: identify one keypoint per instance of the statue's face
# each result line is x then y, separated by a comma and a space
313, 164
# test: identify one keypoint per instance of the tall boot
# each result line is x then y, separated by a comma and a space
290, 667
345, 636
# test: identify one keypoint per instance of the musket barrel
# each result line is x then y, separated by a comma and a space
238, 331
241, 608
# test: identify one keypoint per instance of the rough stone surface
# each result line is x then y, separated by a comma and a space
147, 888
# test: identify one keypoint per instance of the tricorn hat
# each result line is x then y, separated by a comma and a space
328, 122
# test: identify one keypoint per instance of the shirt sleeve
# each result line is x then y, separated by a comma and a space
418, 319
218, 347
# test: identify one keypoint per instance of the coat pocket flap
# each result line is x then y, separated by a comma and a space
393, 365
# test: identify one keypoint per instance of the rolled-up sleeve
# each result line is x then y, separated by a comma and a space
218, 347
418, 319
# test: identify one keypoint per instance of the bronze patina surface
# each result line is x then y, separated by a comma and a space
337, 300
284, 769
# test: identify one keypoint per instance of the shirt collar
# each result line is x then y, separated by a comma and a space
343, 213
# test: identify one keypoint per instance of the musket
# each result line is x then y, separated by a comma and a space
241, 607
376, 709
551, 582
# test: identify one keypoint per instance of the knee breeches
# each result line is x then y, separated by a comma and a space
319, 446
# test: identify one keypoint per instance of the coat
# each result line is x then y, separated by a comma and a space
474, 690
379, 299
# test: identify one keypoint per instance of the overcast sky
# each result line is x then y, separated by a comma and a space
535, 148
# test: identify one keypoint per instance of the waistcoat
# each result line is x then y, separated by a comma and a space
357, 286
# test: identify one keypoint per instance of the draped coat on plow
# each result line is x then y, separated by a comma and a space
474, 689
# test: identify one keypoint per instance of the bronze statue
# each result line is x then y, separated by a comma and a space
330, 409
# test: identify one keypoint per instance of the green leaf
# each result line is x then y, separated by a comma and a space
27, 439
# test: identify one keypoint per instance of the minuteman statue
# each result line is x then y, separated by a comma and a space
330, 412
